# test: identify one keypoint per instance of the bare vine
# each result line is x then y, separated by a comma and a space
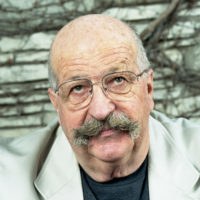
49, 16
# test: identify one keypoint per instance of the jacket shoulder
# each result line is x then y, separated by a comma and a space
27, 144
183, 125
20, 161
183, 134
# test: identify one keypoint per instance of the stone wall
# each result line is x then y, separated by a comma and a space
26, 32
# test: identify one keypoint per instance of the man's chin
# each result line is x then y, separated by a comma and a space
109, 146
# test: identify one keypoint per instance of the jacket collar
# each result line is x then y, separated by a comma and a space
59, 177
168, 167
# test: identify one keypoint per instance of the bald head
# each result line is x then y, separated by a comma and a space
87, 35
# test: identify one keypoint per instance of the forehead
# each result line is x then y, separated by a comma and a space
92, 45
97, 63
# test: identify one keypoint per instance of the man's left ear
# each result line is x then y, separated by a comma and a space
53, 98
150, 87
150, 82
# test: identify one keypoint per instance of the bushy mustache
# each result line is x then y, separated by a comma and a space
93, 127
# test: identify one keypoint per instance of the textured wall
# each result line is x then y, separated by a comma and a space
28, 27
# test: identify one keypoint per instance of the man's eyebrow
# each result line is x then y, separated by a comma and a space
115, 69
76, 77
72, 78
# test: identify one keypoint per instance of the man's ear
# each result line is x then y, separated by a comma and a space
53, 98
150, 82
150, 88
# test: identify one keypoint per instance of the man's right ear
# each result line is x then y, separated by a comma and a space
53, 98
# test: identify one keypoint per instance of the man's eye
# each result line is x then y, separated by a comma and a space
77, 89
119, 80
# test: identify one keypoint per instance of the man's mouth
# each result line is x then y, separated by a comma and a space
113, 125
107, 132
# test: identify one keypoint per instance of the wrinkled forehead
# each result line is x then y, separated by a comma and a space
89, 36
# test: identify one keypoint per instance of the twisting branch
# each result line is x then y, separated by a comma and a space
156, 24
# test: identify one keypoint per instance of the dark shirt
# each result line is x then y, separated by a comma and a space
132, 187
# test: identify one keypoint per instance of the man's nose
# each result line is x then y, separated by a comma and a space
100, 106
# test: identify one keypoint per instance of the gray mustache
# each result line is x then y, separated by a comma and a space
119, 122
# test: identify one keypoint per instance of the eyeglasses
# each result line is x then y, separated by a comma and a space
116, 86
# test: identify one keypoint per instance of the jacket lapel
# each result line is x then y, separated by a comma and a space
59, 178
171, 175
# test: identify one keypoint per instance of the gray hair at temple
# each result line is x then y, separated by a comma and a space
141, 59
53, 80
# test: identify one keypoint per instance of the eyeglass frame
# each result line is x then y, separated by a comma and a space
137, 76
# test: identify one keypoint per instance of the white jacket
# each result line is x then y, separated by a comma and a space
42, 165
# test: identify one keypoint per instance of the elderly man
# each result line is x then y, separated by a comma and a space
109, 147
